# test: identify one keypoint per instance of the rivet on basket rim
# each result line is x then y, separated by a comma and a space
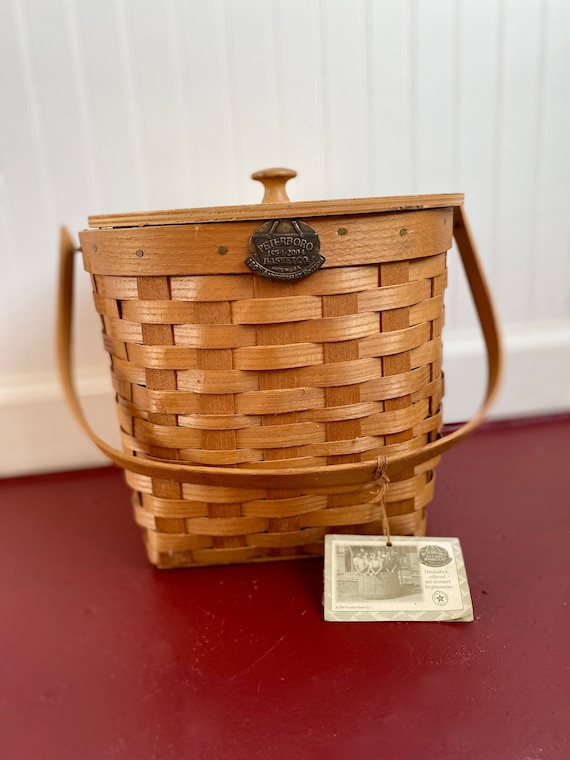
222, 249
402, 232
94, 248
341, 231
139, 253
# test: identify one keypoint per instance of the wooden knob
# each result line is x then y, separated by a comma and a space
274, 181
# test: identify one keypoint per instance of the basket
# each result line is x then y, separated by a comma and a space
274, 366
381, 586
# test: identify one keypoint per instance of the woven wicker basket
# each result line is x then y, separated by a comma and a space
381, 586
254, 411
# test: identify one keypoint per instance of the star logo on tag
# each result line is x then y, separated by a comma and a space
440, 598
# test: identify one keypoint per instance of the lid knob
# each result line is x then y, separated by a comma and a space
274, 181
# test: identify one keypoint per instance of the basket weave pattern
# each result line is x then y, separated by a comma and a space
224, 368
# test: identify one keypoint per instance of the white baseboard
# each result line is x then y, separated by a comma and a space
536, 377
39, 434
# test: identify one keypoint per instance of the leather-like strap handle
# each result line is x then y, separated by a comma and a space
327, 476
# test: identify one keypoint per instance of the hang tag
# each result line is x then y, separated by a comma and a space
420, 579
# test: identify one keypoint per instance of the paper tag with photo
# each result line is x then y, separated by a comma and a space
414, 578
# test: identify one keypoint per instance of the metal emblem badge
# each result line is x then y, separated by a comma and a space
284, 250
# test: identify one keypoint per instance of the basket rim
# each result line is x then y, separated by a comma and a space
261, 211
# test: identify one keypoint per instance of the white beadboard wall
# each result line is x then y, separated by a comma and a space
120, 105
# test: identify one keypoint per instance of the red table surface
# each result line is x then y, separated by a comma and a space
102, 656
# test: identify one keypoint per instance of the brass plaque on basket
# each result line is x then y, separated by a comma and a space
285, 250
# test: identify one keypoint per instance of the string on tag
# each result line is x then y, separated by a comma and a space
382, 481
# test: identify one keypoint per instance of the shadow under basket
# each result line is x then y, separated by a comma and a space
277, 367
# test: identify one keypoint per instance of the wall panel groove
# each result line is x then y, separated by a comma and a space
132, 99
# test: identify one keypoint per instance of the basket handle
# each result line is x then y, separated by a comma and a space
328, 476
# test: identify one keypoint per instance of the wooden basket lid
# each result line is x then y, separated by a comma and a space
276, 204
